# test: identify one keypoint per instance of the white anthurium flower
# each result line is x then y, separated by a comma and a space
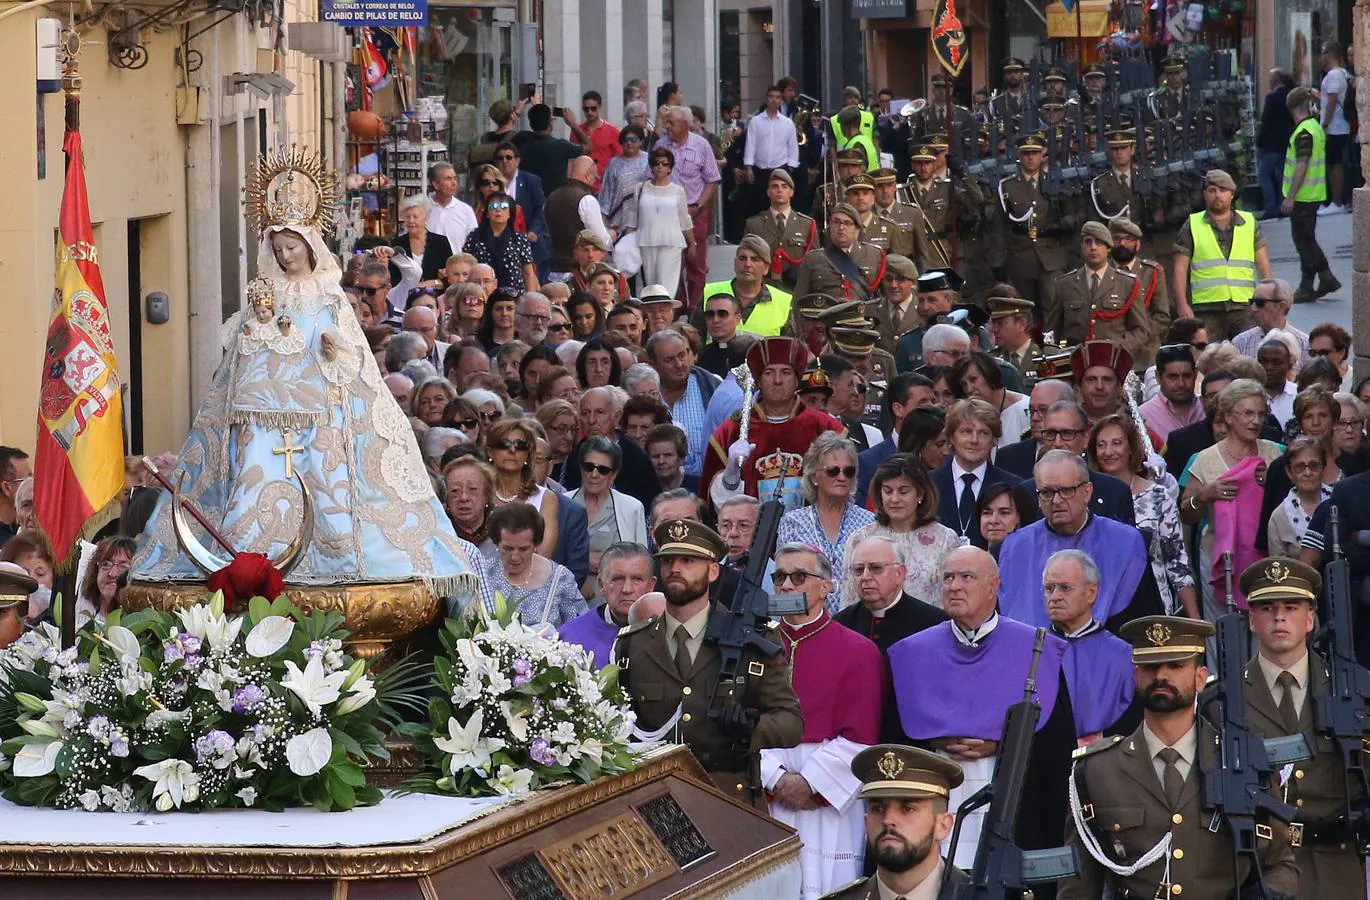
591, 749
36, 760
517, 721
312, 686
308, 753
512, 782
269, 636
363, 691
125, 643
176, 783
468, 748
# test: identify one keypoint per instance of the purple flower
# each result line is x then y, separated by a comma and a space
172, 651
119, 747
523, 670
541, 753
189, 643
247, 698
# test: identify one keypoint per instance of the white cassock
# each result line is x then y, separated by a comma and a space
834, 836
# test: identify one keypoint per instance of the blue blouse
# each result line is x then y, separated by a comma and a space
802, 525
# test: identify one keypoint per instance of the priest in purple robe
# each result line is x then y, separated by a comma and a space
953, 684
1063, 493
1098, 664
626, 573
839, 677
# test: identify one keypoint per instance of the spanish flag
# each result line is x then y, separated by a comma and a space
79, 464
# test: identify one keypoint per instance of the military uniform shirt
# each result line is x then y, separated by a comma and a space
694, 632
1185, 746
1272, 672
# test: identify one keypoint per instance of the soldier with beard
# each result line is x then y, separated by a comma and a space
905, 792
671, 673
1139, 796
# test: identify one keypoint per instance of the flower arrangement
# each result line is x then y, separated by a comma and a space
519, 710
196, 711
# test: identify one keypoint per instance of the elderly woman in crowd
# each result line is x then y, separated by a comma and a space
498, 244
416, 242
538, 590
1304, 460
906, 512
977, 376
102, 588
430, 400
598, 365
1332, 343
31, 551
1349, 435
489, 405
1227, 473
1002, 511
641, 380
470, 498
560, 421
467, 304
559, 383
1115, 448
622, 175
613, 516
509, 443
828, 523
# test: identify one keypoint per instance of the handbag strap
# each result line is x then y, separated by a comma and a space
551, 591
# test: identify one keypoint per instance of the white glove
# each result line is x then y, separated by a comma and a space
737, 455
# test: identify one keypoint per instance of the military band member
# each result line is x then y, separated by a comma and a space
905, 791
846, 268
896, 311
1098, 301
1007, 105
954, 208
789, 233
1155, 295
877, 229
1139, 791
668, 667
1031, 254
940, 116
1010, 325
911, 236
1281, 684
849, 163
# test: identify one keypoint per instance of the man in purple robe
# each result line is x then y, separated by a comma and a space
626, 573
953, 684
1098, 664
1063, 493
839, 677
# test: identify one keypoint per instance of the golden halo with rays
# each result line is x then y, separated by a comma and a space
291, 187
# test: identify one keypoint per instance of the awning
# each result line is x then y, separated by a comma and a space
1092, 21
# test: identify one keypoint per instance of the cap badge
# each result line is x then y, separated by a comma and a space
678, 531
1158, 634
1277, 572
890, 765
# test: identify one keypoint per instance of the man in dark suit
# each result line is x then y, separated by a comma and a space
573, 545
905, 391
526, 189
1065, 427
967, 470
1020, 456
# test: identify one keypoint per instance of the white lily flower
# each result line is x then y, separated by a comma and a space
312, 686
36, 760
269, 635
176, 783
512, 782
219, 631
517, 721
309, 752
468, 748
363, 691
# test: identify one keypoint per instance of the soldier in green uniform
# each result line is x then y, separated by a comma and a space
1155, 295
1010, 325
1007, 105
806, 323
849, 163
1093, 83
896, 311
1031, 251
1167, 102
671, 673
1140, 796
789, 233
940, 116
954, 208
905, 791
877, 229
846, 268
853, 335
1098, 301
1281, 683
913, 237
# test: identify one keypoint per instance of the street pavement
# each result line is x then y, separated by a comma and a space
1334, 234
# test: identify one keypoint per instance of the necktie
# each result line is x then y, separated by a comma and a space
1170, 777
1093, 283
780, 221
682, 653
1288, 711
965, 509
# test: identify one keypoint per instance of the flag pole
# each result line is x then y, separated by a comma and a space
66, 575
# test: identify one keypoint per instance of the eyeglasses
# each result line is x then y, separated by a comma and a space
1065, 493
1066, 434
490, 182
110, 565
1353, 425
718, 313
632, 139
660, 164
560, 326
588, 467
796, 578
500, 204
534, 317
1308, 465
520, 446
505, 157
846, 471
373, 291
488, 417
876, 569
468, 424
589, 109
1259, 302
860, 387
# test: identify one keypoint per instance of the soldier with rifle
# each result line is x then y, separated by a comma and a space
1168, 101
1033, 247
913, 237
1148, 810
850, 163
709, 677
1007, 105
1093, 85
1292, 691
941, 115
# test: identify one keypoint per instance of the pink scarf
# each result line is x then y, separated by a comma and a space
1234, 522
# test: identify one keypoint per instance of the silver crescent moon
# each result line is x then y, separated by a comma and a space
204, 560
295, 552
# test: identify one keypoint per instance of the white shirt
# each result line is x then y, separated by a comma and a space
1282, 404
959, 485
977, 634
1334, 82
592, 217
454, 221
771, 142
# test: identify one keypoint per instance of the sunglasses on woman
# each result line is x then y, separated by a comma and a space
846, 471
489, 182
588, 467
488, 417
499, 204
520, 446
468, 424
661, 164
559, 326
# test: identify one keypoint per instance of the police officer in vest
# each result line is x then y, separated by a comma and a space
1220, 253
1305, 189
851, 99
765, 309
851, 135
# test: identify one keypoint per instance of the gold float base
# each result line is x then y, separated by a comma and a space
379, 616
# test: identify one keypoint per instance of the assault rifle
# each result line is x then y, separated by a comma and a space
1142, 155
1236, 788
742, 623
1341, 713
1031, 121
1000, 864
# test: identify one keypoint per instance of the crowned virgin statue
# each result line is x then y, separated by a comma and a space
298, 434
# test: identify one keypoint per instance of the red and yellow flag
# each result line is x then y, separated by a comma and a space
78, 468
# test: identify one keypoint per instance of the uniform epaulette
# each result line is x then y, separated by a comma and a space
1102, 743
1070, 273
1006, 178
635, 627
1131, 275
1150, 264
843, 889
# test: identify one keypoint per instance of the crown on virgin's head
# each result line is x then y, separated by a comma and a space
291, 188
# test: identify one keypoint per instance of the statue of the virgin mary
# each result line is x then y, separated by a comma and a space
298, 399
